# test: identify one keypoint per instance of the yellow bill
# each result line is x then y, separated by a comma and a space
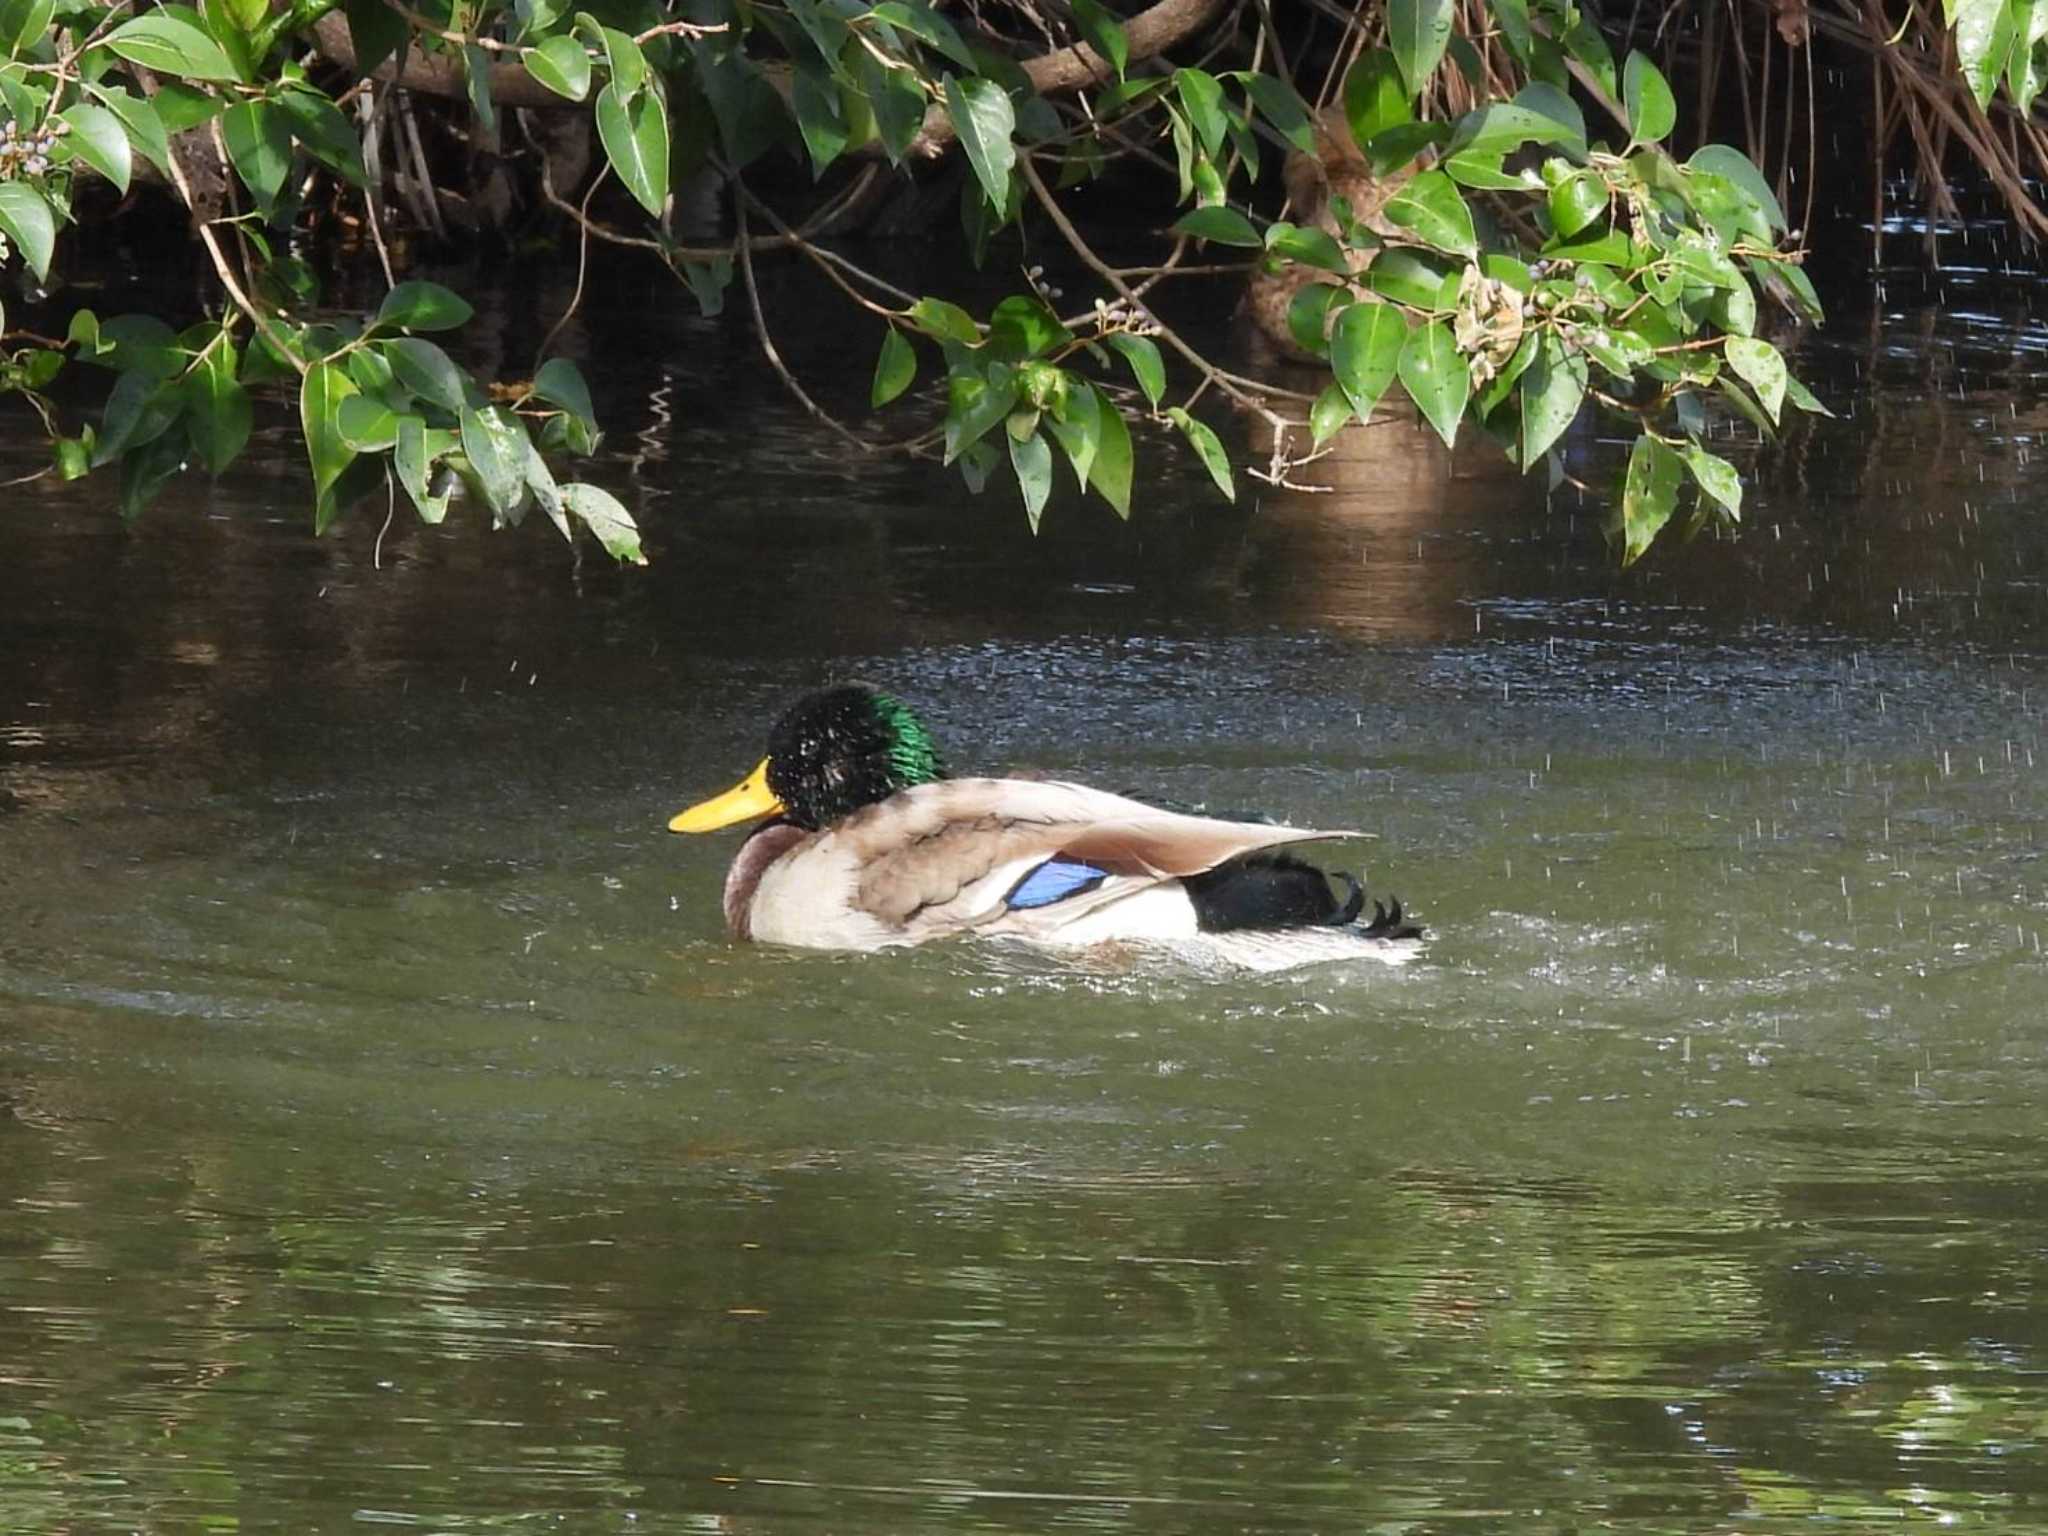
747, 800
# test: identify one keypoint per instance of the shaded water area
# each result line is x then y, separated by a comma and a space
390, 1136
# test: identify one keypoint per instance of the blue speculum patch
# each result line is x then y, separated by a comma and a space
1055, 880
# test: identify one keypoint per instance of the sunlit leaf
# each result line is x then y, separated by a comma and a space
413, 453
945, 322
172, 45
609, 522
1552, 390
259, 140
97, 138
28, 220
1105, 31
1649, 493
1225, 226
1110, 473
320, 395
1202, 95
1308, 245
1208, 448
1436, 377
985, 120
1431, 208
562, 65
1374, 99
635, 138
139, 117
1417, 31
1716, 478
1760, 366
1365, 353
1031, 457
217, 409
1141, 353
1652, 110
427, 372
423, 306
1280, 106
1328, 416
495, 444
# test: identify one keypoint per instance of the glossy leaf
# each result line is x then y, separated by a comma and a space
1715, 477
1577, 203
1077, 427
1732, 164
1281, 107
895, 368
1652, 110
1224, 226
635, 138
820, 119
1310, 246
1552, 391
1208, 448
1110, 473
1374, 99
138, 115
562, 65
1141, 353
170, 45
217, 409
975, 402
327, 135
985, 120
427, 372
1308, 316
1505, 126
1418, 31
945, 322
1408, 277
423, 306
259, 140
1648, 495
1431, 208
1329, 415
1436, 377
1025, 327
1804, 398
495, 444
1365, 353
609, 522
22, 24
1031, 457
366, 424
1105, 32
1984, 38
97, 138
1202, 96
321, 392
1760, 367
28, 220
412, 455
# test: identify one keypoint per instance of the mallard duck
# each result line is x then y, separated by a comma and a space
868, 845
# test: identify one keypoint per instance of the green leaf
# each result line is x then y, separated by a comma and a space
1408, 277
1502, 127
1483, 173
366, 424
635, 138
1373, 98
1105, 32
560, 383
1225, 226
984, 119
1716, 478
1110, 473
1308, 316
320, 395
540, 480
1430, 207
814, 97
1584, 41
628, 65
1365, 353
1311, 246
927, 26
1024, 327
1032, 459
427, 372
1326, 418
423, 306
170, 45
329, 137
945, 322
1077, 426
97, 138
975, 402
1208, 448
1984, 38
1648, 494
1546, 100
562, 65
139, 118
1804, 398
259, 141
181, 106
476, 80
610, 523
1577, 203
894, 369
375, 31
1418, 31
28, 220
495, 444
140, 409
1734, 165
1553, 388
1202, 94
1403, 144
413, 458
1652, 110
1436, 377
1146, 365
1761, 368
22, 24
1281, 107
217, 409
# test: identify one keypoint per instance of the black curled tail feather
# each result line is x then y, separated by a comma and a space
1279, 890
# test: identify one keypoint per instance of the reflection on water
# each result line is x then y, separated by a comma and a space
389, 1136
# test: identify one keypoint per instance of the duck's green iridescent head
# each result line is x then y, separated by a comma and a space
832, 753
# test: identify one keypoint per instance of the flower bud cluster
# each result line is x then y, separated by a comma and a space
26, 154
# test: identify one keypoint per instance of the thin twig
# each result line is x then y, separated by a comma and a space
789, 380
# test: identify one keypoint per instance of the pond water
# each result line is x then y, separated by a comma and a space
390, 1136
